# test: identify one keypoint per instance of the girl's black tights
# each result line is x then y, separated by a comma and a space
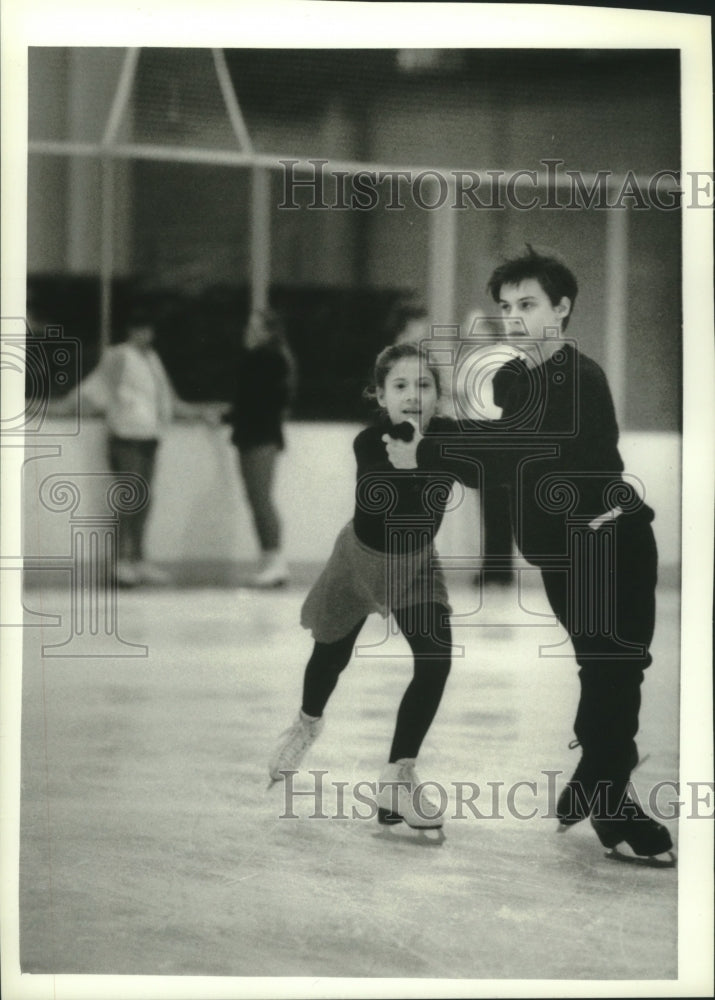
428, 632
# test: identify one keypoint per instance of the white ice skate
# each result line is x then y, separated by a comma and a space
293, 745
153, 575
126, 574
401, 797
273, 572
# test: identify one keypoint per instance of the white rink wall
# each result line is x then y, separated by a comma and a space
200, 514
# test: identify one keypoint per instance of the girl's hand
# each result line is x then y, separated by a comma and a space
403, 454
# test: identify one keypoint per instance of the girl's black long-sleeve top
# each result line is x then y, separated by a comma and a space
401, 510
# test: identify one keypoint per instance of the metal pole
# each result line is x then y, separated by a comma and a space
442, 254
303, 163
106, 251
114, 119
121, 96
232, 106
260, 237
616, 306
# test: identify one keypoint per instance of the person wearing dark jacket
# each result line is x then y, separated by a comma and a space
578, 517
263, 390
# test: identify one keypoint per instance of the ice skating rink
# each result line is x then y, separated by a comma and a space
150, 844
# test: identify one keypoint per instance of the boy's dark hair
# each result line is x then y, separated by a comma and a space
554, 277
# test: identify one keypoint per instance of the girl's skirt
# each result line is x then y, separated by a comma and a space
358, 581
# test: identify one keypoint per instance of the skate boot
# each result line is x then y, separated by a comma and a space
649, 840
154, 575
273, 571
594, 783
401, 797
126, 574
293, 745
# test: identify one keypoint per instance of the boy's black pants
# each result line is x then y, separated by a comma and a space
606, 602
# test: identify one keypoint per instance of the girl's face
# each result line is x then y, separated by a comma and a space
409, 393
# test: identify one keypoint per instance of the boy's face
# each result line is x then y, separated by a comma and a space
528, 310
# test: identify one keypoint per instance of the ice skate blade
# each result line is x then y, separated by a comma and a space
281, 777
565, 827
657, 861
388, 818
430, 836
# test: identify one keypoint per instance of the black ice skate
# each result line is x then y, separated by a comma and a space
586, 792
575, 803
649, 840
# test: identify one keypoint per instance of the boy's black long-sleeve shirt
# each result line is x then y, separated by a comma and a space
555, 447
562, 415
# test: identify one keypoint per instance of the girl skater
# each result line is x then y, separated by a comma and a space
384, 561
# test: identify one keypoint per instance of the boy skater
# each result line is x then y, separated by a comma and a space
578, 519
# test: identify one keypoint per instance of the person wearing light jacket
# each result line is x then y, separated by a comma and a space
132, 388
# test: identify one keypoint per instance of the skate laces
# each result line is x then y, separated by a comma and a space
295, 741
407, 773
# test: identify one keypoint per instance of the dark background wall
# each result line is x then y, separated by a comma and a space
183, 230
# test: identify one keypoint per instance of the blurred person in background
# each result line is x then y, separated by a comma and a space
410, 324
265, 384
131, 387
